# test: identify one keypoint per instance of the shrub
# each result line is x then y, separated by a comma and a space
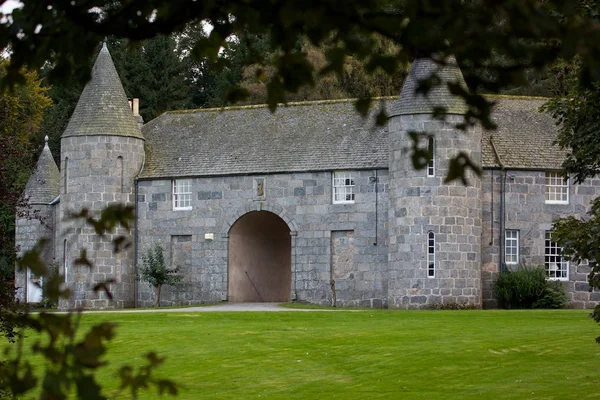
453, 305
554, 296
47, 300
528, 287
154, 271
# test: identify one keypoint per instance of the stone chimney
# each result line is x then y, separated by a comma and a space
134, 104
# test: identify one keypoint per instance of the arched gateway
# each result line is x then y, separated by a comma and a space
259, 259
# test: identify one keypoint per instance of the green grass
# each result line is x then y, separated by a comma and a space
378, 354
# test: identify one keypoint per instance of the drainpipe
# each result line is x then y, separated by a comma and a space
135, 231
135, 245
375, 180
502, 204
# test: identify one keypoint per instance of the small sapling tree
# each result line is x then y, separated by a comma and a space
155, 272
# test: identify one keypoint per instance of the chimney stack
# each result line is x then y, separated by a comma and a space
136, 107
134, 104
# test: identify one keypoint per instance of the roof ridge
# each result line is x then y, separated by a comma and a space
283, 105
516, 97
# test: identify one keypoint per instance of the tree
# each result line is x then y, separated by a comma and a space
71, 357
153, 71
21, 114
525, 35
155, 272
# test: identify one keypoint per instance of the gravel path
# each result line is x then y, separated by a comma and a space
225, 307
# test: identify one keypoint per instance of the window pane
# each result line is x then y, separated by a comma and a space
431, 255
556, 266
182, 193
557, 188
511, 247
343, 187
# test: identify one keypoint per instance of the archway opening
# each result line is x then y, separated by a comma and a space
259, 259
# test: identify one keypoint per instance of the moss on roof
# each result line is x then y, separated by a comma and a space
102, 108
320, 136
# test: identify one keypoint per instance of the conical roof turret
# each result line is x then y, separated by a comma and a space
44, 184
410, 102
103, 108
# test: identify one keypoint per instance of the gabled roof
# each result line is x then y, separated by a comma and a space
320, 136
44, 184
103, 108
410, 102
524, 138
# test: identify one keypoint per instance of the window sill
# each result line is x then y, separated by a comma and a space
182, 209
556, 202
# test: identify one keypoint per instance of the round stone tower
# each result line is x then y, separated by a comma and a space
102, 151
36, 222
434, 228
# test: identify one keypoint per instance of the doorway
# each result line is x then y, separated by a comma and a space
259, 259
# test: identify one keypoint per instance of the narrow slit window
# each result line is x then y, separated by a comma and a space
66, 175
65, 260
120, 169
431, 153
431, 255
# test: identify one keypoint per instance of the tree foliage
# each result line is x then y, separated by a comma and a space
525, 35
155, 271
580, 241
501, 43
21, 112
154, 72
71, 358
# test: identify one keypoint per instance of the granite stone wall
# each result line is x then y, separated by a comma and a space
527, 212
35, 224
420, 204
304, 202
96, 171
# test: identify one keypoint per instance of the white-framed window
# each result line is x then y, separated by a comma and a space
343, 187
556, 266
511, 246
431, 151
557, 188
431, 255
182, 194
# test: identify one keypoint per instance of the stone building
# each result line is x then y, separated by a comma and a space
312, 203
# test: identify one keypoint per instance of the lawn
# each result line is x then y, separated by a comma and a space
376, 354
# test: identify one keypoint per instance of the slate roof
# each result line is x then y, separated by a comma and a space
410, 102
524, 138
44, 184
319, 136
103, 108
326, 135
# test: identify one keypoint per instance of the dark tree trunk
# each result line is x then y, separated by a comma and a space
157, 296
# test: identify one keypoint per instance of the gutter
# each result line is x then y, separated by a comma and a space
502, 205
135, 233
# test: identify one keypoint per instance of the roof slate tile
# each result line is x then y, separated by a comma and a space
321, 136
